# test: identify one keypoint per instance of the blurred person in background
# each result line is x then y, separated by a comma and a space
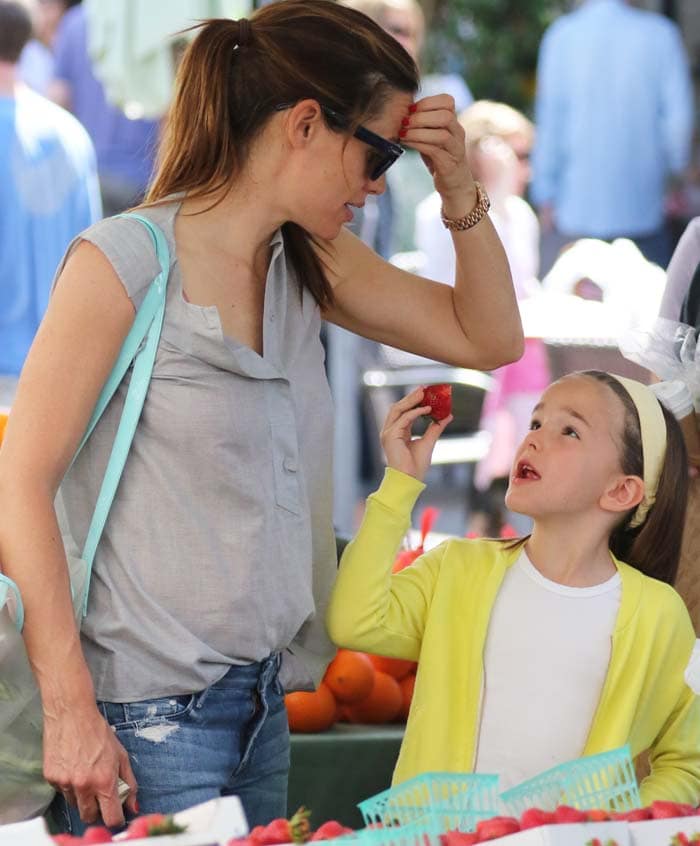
614, 116
125, 148
499, 140
410, 182
49, 193
36, 64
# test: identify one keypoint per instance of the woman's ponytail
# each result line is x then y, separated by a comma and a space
199, 144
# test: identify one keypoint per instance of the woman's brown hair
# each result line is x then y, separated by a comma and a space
234, 74
654, 547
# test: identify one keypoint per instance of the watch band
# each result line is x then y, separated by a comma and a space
483, 204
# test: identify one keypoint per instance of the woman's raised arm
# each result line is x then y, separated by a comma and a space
476, 323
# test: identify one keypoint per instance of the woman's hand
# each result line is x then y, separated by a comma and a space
84, 760
434, 131
410, 456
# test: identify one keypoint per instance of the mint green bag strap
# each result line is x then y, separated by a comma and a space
140, 346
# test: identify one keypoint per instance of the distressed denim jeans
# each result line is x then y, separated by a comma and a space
230, 739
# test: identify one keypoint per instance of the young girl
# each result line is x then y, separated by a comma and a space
537, 651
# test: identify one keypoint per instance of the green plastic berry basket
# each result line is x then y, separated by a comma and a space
439, 801
606, 781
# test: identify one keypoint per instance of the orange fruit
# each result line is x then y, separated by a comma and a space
3, 423
406, 684
383, 703
312, 711
350, 675
396, 667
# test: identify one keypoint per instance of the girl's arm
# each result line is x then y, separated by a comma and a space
371, 609
473, 324
88, 317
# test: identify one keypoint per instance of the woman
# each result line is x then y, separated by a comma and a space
219, 549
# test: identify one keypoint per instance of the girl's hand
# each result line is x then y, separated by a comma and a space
434, 131
410, 456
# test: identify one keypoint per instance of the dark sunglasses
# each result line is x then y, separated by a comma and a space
387, 152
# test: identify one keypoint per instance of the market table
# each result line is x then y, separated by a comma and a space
332, 771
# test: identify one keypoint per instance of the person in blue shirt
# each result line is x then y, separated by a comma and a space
614, 115
125, 148
49, 193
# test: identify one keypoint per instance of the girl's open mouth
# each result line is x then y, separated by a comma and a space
526, 471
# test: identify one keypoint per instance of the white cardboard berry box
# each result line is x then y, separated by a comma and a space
661, 832
569, 834
212, 823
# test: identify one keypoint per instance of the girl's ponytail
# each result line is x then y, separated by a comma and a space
653, 547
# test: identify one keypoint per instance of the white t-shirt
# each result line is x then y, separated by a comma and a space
547, 653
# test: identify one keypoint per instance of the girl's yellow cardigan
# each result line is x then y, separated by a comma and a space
438, 610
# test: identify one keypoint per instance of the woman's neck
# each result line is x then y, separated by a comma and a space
571, 554
239, 225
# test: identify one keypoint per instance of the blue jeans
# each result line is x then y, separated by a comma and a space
230, 739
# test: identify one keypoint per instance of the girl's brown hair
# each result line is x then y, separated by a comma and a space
654, 547
233, 75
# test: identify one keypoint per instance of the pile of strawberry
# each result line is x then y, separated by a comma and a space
496, 827
148, 825
296, 829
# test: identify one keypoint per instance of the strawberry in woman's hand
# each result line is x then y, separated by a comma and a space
439, 398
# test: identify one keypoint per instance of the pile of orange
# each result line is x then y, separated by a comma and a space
361, 688
357, 688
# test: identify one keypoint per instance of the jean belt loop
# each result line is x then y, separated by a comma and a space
269, 669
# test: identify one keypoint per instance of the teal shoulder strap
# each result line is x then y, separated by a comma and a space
140, 346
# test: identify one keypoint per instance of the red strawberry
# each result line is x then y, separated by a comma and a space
496, 827
661, 810
594, 841
567, 814
97, 834
439, 398
680, 839
459, 838
534, 817
597, 815
294, 830
255, 832
330, 829
151, 825
635, 815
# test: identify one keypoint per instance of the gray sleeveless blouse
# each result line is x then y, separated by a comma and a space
219, 548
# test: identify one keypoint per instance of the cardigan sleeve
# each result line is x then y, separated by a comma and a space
675, 754
372, 609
